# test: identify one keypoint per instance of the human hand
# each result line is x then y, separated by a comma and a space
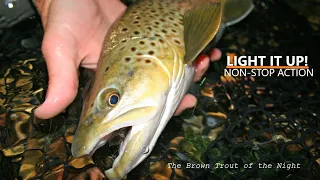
74, 34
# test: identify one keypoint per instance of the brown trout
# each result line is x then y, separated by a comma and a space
144, 71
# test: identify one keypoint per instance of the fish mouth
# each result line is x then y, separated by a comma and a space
115, 138
118, 131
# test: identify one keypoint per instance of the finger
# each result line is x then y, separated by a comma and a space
43, 7
215, 54
187, 102
202, 66
59, 52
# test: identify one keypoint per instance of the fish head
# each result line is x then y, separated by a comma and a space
129, 91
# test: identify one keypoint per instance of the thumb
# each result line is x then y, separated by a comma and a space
59, 51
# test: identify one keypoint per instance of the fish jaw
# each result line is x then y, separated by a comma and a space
135, 148
90, 137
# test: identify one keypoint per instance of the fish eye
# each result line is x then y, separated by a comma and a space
113, 99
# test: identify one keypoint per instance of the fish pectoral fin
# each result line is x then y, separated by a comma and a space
201, 23
236, 10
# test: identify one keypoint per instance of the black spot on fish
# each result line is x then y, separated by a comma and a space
153, 44
127, 59
142, 42
124, 29
164, 31
176, 41
151, 52
148, 61
136, 32
106, 69
133, 49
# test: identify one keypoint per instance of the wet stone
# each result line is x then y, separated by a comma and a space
213, 134
30, 163
54, 175
37, 143
18, 128
79, 163
23, 81
14, 150
31, 43
3, 116
26, 107
3, 92
90, 173
212, 121
70, 133
21, 99
56, 152
17, 159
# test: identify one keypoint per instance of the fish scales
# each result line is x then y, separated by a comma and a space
154, 24
143, 73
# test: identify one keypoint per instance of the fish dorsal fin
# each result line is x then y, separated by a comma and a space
236, 10
201, 23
